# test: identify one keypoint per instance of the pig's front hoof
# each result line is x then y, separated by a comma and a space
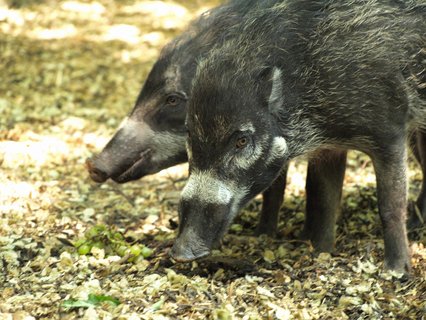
96, 174
186, 255
398, 265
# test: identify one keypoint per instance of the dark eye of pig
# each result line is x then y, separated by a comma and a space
241, 142
172, 100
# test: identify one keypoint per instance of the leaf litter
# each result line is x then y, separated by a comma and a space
68, 245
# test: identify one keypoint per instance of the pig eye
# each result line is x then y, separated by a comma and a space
241, 142
172, 100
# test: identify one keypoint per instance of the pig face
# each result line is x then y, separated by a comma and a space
235, 152
153, 136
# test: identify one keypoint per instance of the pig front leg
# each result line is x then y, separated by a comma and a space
324, 183
418, 145
390, 167
272, 201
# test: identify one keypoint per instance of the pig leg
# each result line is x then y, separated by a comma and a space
272, 201
418, 145
390, 167
324, 184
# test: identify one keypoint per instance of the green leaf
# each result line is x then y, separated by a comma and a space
157, 306
92, 301
97, 299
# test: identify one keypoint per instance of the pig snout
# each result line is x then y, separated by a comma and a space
97, 170
202, 224
189, 247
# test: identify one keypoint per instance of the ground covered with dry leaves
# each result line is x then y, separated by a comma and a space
70, 71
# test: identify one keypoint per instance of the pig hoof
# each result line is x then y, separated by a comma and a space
401, 266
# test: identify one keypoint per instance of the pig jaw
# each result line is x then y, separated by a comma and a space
121, 165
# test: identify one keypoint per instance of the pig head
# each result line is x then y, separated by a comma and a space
234, 154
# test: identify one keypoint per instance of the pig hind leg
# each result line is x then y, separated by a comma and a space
390, 167
323, 194
417, 216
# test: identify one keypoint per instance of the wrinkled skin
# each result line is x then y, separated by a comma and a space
305, 89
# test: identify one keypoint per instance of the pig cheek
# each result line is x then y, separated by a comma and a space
167, 149
277, 151
275, 159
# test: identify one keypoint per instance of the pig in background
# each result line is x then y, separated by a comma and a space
305, 77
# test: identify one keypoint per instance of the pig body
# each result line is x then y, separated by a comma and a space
305, 77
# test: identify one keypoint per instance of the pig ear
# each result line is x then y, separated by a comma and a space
276, 97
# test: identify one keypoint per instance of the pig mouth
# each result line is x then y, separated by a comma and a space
133, 172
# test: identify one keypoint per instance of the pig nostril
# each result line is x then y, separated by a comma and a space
89, 164
96, 174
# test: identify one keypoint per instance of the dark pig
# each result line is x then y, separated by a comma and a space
153, 136
304, 77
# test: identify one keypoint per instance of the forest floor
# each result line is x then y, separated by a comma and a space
70, 71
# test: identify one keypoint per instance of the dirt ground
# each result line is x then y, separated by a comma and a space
70, 71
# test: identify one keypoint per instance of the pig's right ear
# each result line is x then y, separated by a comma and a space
271, 87
276, 96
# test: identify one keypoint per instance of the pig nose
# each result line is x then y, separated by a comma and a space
96, 172
184, 251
